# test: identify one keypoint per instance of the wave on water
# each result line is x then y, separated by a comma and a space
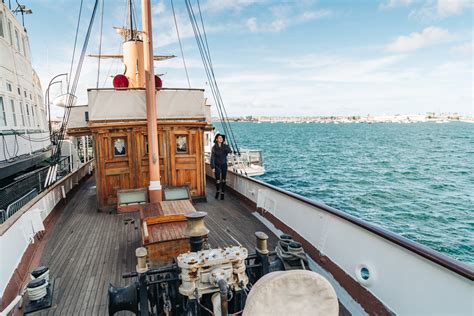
416, 180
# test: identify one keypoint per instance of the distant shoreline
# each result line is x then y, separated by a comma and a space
406, 119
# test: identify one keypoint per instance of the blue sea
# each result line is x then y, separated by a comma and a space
416, 180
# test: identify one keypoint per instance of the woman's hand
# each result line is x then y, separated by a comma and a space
214, 170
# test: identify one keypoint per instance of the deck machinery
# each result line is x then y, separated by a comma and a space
204, 280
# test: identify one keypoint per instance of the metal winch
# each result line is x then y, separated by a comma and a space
201, 271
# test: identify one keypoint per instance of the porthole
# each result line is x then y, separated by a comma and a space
365, 274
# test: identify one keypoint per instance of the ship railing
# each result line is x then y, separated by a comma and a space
26, 183
17, 205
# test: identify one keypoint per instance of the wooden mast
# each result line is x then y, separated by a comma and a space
153, 157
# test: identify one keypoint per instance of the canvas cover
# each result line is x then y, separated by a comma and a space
130, 104
295, 292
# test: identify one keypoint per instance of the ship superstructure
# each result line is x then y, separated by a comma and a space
23, 126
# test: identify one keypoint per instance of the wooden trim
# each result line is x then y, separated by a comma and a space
427, 253
189, 118
143, 89
146, 236
164, 219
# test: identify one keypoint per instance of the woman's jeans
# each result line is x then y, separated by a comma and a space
220, 174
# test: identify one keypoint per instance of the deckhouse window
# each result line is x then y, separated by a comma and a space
12, 104
181, 144
2, 33
3, 117
120, 146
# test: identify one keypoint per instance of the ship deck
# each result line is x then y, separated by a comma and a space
87, 250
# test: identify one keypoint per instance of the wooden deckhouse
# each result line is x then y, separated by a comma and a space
120, 120
117, 121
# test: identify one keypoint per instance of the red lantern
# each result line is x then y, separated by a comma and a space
158, 83
120, 82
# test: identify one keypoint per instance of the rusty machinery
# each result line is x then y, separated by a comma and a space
206, 280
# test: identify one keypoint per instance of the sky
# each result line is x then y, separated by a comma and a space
286, 58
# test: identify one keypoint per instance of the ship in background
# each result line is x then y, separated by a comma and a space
139, 223
28, 140
23, 127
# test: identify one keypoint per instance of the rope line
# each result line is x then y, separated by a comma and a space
180, 45
75, 42
62, 130
203, 46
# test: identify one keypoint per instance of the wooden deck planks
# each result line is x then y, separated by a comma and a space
230, 220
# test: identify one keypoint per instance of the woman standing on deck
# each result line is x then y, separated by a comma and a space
219, 153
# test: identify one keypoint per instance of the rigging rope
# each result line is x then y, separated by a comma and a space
75, 42
203, 46
180, 45
213, 76
62, 130
206, 66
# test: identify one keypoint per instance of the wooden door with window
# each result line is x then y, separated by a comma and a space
186, 159
115, 165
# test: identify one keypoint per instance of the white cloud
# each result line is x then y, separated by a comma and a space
313, 15
158, 8
429, 36
234, 5
452, 7
252, 24
466, 48
332, 84
284, 17
390, 4
432, 10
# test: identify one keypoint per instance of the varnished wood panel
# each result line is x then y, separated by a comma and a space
131, 171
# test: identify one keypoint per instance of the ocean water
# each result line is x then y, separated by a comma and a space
416, 180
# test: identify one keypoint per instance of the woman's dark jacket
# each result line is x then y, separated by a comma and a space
219, 155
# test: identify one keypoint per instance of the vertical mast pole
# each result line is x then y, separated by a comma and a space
153, 158
131, 35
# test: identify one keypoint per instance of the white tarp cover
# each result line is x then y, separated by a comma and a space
130, 104
295, 292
